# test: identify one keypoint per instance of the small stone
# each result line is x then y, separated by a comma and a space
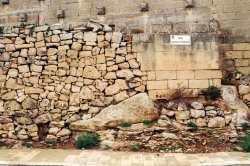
197, 105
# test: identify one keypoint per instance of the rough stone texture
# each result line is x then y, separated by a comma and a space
216, 122
133, 110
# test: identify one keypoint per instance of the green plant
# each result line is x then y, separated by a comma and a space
162, 148
87, 140
31, 30
26, 144
1, 29
210, 132
2, 143
106, 147
135, 147
146, 122
173, 148
115, 136
1, 136
212, 93
244, 142
235, 149
58, 140
126, 124
51, 142
245, 126
47, 31
15, 133
192, 125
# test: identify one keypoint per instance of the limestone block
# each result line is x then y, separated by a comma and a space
63, 132
87, 94
32, 128
112, 68
52, 96
109, 52
110, 75
12, 104
201, 84
24, 120
76, 46
177, 84
133, 64
216, 122
65, 47
13, 73
30, 39
101, 85
201, 122
32, 90
126, 73
100, 58
72, 53
120, 59
70, 79
42, 51
207, 74
165, 75
91, 72
121, 96
79, 36
39, 36
66, 36
32, 51
5, 57
40, 44
182, 115
3, 78
101, 67
19, 41
8, 126
53, 130
45, 118
112, 89
29, 103
197, 105
9, 95
10, 47
55, 39
11, 83
116, 37
23, 46
197, 113
243, 89
90, 36
61, 105
157, 85
36, 68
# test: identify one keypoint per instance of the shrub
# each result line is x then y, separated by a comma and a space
2, 143
193, 125
135, 147
146, 122
51, 142
126, 124
15, 133
87, 140
212, 93
244, 142
26, 144
245, 126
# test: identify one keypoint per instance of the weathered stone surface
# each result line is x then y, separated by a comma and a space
116, 37
126, 73
29, 103
197, 113
197, 105
90, 36
24, 120
112, 89
201, 122
216, 122
133, 110
45, 118
101, 85
230, 94
87, 94
63, 132
9, 95
182, 115
91, 72
13, 104
32, 90
121, 96
5, 57
32, 128
12, 84
169, 136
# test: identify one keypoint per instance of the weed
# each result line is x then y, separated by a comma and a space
210, 132
126, 124
235, 149
58, 140
162, 148
173, 148
179, 93
26, 144
31, 30
245, 126
115, 136
1, 29
1, 136
106, 147
2, 144
147, 122
111, 128
51, 142
15, 133
47, 31
244, 142
87, 140
212, 93
192, 125
135, 147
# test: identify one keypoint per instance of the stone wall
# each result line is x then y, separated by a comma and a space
56, 76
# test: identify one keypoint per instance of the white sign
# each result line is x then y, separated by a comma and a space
180, 39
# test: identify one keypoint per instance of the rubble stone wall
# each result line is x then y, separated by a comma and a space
49, 75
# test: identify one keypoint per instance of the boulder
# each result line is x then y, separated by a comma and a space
13, 104
63, 132
182, 115
197, 105
197, 113
45, 118
216, 122
133, 110
29, 103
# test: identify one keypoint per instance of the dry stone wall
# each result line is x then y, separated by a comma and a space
55, 76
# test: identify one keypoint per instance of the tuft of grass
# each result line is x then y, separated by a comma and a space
26, 144
235, 149
162, 148
15, 133
147, 122
244, 142
212, 93
115, 136
126, 124
87, 140
192, 125
51, 142
135, 147
210, 132
2, 144
245, 126
106, 147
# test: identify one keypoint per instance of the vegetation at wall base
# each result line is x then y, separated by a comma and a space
87, 140
212, 93
244, 142
245, 126
126, 124
51, 142
192, 125
26, 144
